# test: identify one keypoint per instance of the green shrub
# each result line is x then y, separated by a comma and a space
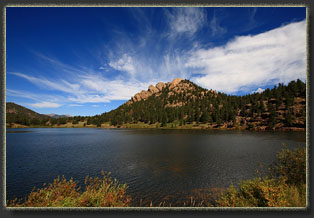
285, 187
103, 192
290, 166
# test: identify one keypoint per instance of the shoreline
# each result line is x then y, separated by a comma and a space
187, 127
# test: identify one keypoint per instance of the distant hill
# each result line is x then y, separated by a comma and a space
15, 109
182, 102
21, 115
58, 116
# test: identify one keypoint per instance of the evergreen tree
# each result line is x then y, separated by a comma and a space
289, 118
205, 117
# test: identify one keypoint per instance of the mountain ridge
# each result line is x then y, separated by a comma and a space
183, 104
176, 85
53, 115
181, 101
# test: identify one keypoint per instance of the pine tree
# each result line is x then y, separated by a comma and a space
205, 117
289, 118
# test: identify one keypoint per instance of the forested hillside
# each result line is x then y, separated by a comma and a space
181, 103
17, 114
185, 102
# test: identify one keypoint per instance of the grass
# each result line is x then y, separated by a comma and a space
285, 186
104, 192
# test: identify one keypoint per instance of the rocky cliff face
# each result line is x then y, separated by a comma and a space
143, 95
176, 86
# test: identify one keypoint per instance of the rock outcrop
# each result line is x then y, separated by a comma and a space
160, 86
174, 83
154, 90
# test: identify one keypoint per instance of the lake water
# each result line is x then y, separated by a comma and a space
157, 165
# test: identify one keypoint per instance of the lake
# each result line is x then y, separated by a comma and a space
156, 164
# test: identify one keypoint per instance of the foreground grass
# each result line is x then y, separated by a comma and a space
103, 192
285, 186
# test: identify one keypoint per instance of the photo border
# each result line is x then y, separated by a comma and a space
41, 3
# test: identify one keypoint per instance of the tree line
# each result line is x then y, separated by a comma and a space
200, 106
195, 105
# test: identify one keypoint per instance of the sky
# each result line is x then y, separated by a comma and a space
90, 60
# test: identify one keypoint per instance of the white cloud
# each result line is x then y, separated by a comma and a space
45, 104
186, 20
34, 96
89, 98
63, 85
125, 63
259, 90
278, 55
243, 64
75, 105
108, 90
88, 88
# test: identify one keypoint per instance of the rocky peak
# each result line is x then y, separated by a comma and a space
160, 86
154, 90
175, 82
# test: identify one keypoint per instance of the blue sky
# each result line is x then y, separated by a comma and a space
86, 61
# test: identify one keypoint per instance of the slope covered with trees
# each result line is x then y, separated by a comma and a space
17, 114
183, 104
21, 115
186, 103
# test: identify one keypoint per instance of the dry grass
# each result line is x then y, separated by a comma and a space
104, 192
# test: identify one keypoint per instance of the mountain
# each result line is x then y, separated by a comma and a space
58, 116
181, 102
12, 108
18, 114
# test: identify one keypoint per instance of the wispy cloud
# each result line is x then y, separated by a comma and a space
186, 21
75, 105
216, 28
56, 64
89, 88
108, 90
35, 96
125, 63
45, 104
243, 64
252, 22
45, 83
278, 55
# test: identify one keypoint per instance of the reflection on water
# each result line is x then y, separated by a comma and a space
18, 131
157, 165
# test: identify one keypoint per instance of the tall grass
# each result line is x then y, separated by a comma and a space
98, 192
285, 186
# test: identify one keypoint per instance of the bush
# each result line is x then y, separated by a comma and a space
290, 166
285, 187
75, 122
263, 193
103, 192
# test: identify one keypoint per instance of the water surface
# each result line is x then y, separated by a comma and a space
156, 164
